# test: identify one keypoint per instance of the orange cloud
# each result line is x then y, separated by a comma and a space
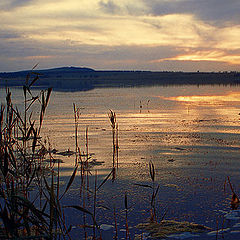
215, 55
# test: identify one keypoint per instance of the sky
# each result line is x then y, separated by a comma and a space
158, 35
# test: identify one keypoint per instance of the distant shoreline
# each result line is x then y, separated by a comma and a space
72, 78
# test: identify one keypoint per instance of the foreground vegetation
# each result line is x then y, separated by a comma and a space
31, 199
30, 193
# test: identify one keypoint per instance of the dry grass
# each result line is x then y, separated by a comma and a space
168, 227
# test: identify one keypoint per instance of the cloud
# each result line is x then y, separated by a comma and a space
123, 7
25, 53
216, 11
113, 34
12, 4
6, 34
109, 6
209, 55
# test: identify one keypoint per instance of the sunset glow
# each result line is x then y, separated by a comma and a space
205, 99
108, 34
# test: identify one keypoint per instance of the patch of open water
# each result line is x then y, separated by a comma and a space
190, 133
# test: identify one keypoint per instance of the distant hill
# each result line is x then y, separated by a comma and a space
75, 78
51, 71
68, 69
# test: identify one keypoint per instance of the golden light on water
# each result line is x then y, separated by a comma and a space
207, 99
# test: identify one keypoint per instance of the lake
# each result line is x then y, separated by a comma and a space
191, 134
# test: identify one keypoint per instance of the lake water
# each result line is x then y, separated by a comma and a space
190, 133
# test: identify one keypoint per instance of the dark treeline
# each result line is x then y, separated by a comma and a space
72, 78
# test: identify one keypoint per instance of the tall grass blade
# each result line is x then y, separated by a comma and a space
154, 194
143, 185
5, 166
70, 181
34, 80
152, 171
32, 177
230, 185
108, 176
84, 210
9, 224
38, 213
35, 66
125, 201
33, 100
30, 130
235, 200
112, 118
34, 143
49, 91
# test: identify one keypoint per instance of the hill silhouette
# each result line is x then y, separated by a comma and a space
77, 78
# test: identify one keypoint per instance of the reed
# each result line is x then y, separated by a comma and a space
115, 144
26, 163
155, 189
154, 192
235, 200
115, 223
40, 214
29, 186
126, 217
21, 158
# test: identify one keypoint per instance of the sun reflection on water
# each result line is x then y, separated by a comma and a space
207, 99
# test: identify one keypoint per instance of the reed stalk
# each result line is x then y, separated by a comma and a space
34, 214
114, 125
95, 204
126, 217
115, 223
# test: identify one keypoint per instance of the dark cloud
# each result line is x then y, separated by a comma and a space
6, 34
11, 4
139, 54
18, 49
121, 8
109, 7
217, 11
